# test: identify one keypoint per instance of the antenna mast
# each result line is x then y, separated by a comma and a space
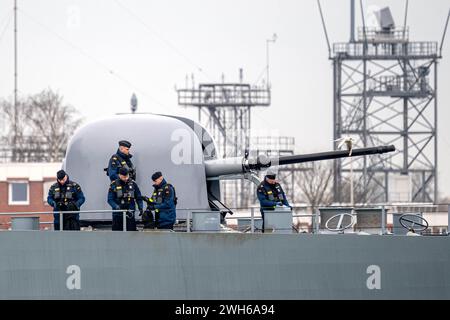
15, 84
443, 35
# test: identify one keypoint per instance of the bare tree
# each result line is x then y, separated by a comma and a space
315, 183
54, 121
13, 140
44, 127
370, 194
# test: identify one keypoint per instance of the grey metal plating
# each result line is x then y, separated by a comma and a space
120, 265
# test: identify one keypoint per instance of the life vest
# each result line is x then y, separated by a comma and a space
161, 192
65, 193
125, 192
274, 193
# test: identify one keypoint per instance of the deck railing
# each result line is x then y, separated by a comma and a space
303, 217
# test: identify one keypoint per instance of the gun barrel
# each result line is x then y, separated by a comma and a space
226, 166
239, 165
332, 155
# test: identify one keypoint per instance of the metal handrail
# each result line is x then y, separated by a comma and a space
421, 49
53, 212
124, 212
315, 216
61, 213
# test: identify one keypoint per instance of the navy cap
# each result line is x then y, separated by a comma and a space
60, 174
123, 171
271, 174
125, 143
156, 175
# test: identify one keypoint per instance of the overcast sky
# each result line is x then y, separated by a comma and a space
97, 53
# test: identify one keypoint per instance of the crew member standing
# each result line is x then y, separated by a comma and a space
124, 194
270, 195
65, 195
163, 201
121, 159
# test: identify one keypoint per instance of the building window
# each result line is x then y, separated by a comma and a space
19, 193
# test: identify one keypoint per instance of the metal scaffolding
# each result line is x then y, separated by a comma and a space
385, 92
225, 110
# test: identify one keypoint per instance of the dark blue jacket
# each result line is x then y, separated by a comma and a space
269, 195
115, 163
58, 193
119, 201
164, 200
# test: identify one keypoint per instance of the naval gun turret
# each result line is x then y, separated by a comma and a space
178, 147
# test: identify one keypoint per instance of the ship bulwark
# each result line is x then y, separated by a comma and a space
153, 265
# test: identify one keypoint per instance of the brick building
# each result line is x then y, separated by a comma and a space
24, 188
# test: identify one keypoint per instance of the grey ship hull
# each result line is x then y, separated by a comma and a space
157, 265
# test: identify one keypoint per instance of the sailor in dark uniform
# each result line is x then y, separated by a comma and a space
163, 202
65, 195
124, 194
121, 159
270, 194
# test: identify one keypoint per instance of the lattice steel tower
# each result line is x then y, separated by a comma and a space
385, 89
225, 110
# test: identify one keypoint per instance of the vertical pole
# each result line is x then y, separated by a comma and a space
352, 21
124, 220
61, 222
386, 187
365, 188
424, 189
448, 220
383, 220
365, 47
237, 131
435, 171
339, 121
15, 84
249, 135
406, 18
405, 119
252, 221
336, 127
188, 221
317, 218
267, 62
292, 185
267, 57
352, 198
334, 133
224, 121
